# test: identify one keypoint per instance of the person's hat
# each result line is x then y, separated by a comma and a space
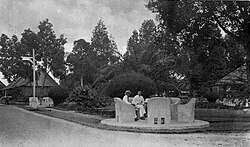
127, 91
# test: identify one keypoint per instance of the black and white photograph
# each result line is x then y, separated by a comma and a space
124, 73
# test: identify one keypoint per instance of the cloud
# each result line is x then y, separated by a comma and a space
75, 18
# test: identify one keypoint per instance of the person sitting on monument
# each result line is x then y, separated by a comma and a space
126, 100
126, 96
138, 102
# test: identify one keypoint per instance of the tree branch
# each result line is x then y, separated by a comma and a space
224, 28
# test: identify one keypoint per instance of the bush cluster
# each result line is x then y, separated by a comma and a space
167, 89
83, 96
58, 94
211, 96
130, 81
17, 94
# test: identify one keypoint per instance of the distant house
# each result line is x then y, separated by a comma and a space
43, 84
233, 81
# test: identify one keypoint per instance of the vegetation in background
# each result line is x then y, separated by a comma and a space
131, 81
49, 50
58, 94
83, 96
194, 28
194, 42
167, 89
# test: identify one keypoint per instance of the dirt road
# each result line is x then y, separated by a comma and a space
23, 128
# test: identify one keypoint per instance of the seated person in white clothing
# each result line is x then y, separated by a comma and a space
138, 101
126, 96
126, 100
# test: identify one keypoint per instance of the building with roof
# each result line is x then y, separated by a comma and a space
24, 85
2, 85
235, 80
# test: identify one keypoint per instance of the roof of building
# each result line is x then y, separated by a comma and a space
238, 76
43, 80
2, 85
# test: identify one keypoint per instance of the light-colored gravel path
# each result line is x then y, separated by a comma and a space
22, 128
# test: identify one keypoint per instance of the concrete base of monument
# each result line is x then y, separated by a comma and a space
144, 127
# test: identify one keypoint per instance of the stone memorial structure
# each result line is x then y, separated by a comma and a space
159, 112
33, 102
186, 111
47, 102
165, 114
124, 112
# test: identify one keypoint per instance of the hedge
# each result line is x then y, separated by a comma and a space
58, 94
130, 81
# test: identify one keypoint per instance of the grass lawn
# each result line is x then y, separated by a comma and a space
221, 120
222, 115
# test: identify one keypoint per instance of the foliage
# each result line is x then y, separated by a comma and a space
211, 96
48, 49
70, 81
141, 54
17, 94
193, 29
58, 94
167, 89
104, 101
145, 56
84, 96
104, 46
89, 61
130, 81
10, 62
82, 62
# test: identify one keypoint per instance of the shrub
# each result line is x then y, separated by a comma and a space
131, 81
58, 94
168, 89
83, 96
211, 96
17, 94
104, 101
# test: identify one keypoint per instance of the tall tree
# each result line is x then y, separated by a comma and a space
134, 52
82, 62
104, 45
195, 26
48, 49
11, 65
233, 17
151, 56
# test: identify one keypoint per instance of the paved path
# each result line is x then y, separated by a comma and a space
22, 128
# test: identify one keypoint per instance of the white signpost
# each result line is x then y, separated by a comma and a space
33, 101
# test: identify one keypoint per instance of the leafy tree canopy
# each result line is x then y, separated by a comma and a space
49, 50
194, 29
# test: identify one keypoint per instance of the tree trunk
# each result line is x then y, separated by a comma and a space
82, 80
247, 49
248, 65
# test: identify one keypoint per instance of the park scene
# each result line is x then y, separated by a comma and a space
180, 78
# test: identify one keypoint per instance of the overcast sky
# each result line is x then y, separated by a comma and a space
75, 18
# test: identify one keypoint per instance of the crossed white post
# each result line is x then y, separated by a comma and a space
34, 74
